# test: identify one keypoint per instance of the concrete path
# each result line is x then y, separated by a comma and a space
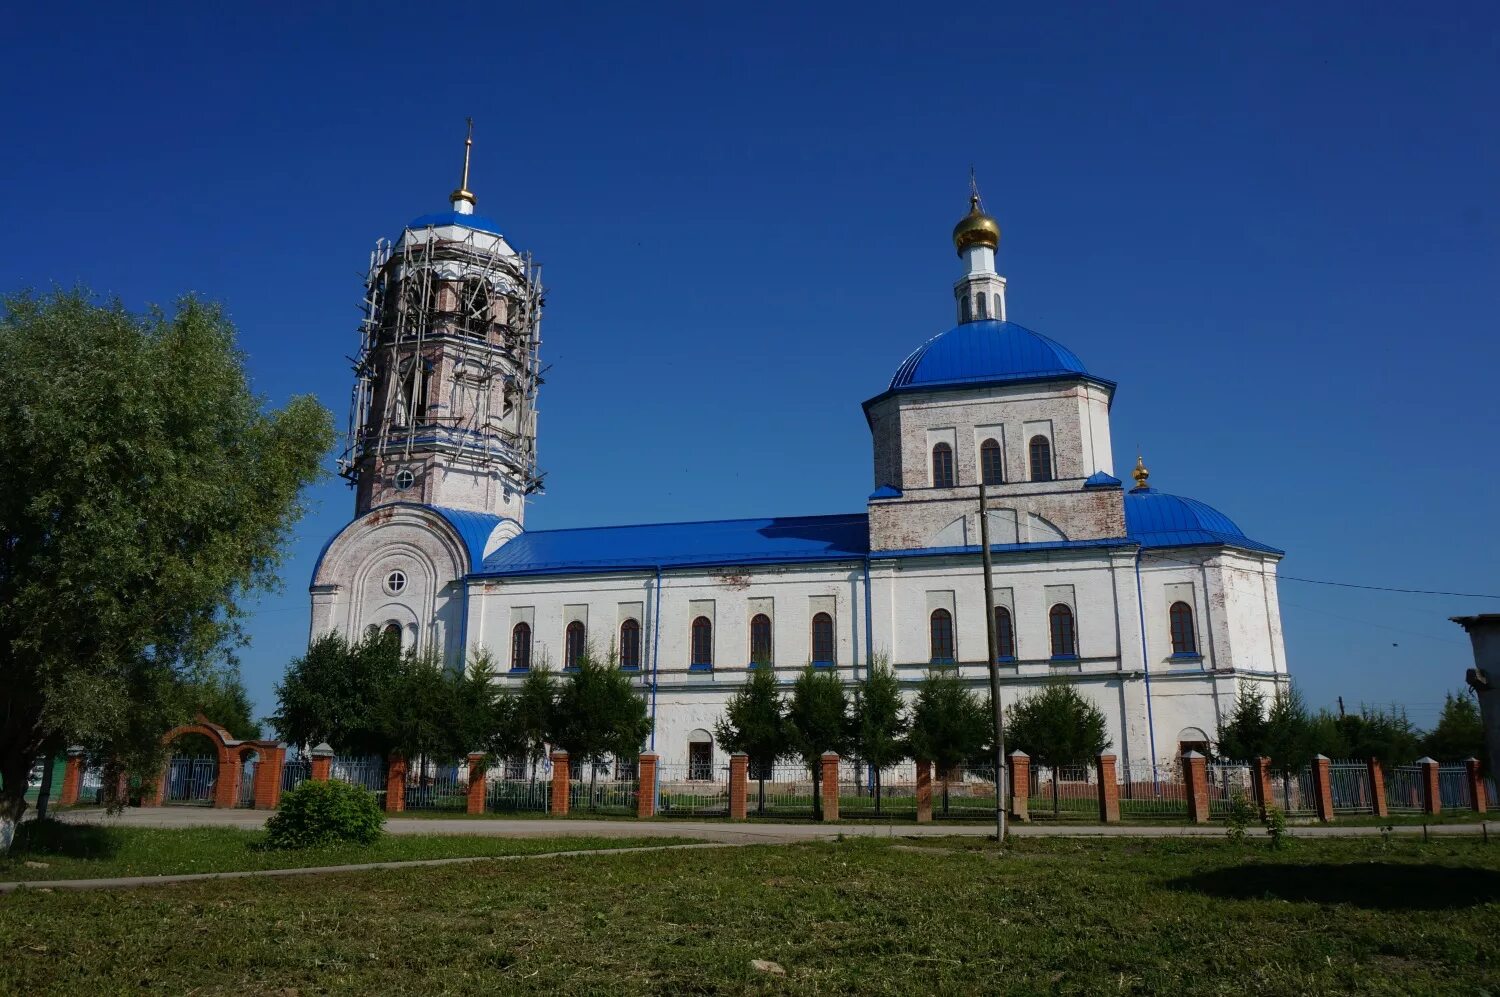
731, 832
127, 882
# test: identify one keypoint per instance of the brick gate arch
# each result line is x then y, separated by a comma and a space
231, 754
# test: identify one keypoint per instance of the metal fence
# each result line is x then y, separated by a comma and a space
1349, 785
1152, 792
247, 783
1294, 793
891, 792
681, 792
1228, 780
1453, 787
1403, 789
295, 771
1066, 792
518, 795
788, 791
191, 780
604, 790
434, 785
368, 771
966, 793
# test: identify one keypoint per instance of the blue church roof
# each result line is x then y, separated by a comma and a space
778, 540
479, 222
473, 529
985, 352
1156, 519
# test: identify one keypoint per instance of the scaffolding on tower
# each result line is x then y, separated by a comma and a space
461, 297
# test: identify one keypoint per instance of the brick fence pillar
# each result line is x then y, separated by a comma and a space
829, 776
1109, 790
924, 791
1322, 788
395, 785
227, 788
1019, 789
321, 769
475, 802
72, 778
268, 776
645, 795
1432, 799
739, 785
1260, 784
1195, 780
1377, 788
1476, 785
560, 776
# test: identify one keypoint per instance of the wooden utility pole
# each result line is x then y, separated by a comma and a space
989, 629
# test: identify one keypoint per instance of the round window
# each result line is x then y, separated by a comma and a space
405, 479
395, 582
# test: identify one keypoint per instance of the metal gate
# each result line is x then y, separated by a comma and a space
190, 781
247, 782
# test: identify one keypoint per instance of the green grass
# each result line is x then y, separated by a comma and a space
1051, 916
86, 851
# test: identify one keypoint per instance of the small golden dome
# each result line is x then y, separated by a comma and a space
1140, 474
975, 229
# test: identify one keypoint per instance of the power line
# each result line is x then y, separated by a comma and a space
1384, 588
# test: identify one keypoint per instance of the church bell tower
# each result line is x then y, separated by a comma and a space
443, 411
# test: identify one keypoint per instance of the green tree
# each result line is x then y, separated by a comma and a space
418, 714
754, 722
148, 491
599, 714
1459, 733
950, 725
221, 697
817, 721
534, 713
334, 692
878, 724
1289, 732
1243, 734
1056, 726
1375, 733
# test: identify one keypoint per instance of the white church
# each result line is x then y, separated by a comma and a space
1158, 607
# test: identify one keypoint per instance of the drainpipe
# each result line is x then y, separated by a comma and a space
463, 626
655, 648
1140, 605
869, 625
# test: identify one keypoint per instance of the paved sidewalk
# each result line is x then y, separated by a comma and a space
732, 832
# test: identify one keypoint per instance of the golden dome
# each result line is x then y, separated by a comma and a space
975, 229
1140, 474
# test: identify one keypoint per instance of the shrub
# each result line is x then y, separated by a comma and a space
1276, 827
324, 813
1241, 813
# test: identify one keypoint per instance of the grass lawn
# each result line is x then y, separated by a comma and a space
861, 916
83, 851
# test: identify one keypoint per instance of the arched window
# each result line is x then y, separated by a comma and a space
630, 645
760, 640
942, 466
963, 308
520, 647
982, 306
703, 643
573, 644
1041, 459
1184, 638
991, 463
940, 630
999, 310
822, 639
1005, 635
1064, 640
392, 631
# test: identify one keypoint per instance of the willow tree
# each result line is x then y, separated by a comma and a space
147, 492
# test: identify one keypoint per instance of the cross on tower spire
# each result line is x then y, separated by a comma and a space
463, 199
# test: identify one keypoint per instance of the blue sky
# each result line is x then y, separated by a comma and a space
1274, 226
